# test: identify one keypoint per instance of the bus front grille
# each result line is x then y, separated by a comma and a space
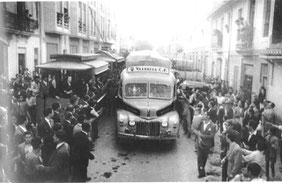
148, 128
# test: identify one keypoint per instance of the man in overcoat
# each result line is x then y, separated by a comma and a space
81, 154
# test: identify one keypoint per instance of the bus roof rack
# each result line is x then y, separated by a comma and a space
147, 58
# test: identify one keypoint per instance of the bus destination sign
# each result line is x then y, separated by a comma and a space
148, 69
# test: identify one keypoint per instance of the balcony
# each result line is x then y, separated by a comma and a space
59, 19
66, 20
81, 26
20, 22
84, 28
244, 40
217, 40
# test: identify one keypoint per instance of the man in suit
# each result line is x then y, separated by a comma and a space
57, 116
68, 88
81, 154
198, 117
233, 156
45, 131
41, 98
57, 168
205, 134
68, 128
212, 110
253, 136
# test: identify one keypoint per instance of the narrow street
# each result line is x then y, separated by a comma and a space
141, 161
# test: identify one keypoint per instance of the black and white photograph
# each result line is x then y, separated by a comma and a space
140, 91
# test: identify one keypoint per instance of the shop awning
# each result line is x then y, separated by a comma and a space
271, 57
98, 65
121, 59
78, 57
111, 55
66, 65
107, 59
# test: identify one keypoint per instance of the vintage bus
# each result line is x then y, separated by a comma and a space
146, 97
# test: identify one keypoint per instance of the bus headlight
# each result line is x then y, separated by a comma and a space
174, 120
164, 124
122, 118
121, 123
131, 123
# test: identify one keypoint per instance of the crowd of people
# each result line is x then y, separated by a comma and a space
39, 139
47, 142
248, 130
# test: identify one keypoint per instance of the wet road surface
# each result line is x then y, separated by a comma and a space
141, 161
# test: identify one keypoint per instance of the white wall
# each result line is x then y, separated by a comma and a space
274, 91
13, 50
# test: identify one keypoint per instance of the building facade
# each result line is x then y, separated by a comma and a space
246, 46
191, 54
32, 31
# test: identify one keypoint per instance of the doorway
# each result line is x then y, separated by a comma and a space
248, 83
21, 63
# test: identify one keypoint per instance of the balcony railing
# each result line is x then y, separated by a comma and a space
217, 39
66, 20
244, 38
21, 22
84, 27
59, 18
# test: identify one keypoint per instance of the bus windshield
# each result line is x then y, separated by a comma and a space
136, 90
161, 91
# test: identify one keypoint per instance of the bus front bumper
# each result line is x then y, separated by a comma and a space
135, 136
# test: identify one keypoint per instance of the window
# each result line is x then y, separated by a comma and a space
264, 74
221, 25
240, 13
109, 28
267, 4
84, 18
80, 17
135, 90
91, 22
32, 8
66, 7
80, 10
35, 57
162, 91
66, 14
95, 24
229, 18
59, 14
102, 27
59, 7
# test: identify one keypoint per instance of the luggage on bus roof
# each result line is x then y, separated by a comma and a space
147, 58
